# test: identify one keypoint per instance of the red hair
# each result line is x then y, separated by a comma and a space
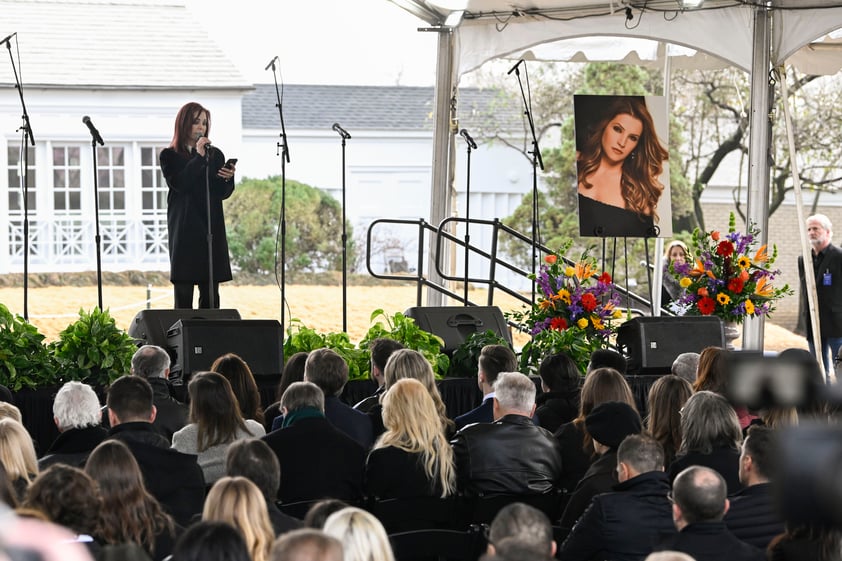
184, 124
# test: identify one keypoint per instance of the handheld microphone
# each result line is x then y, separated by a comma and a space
92, 128
464, 134
8, 37
342, 132
271, 63
513, 68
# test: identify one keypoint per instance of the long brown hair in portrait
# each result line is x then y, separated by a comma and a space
129, 512
184, 125
214, 409
239, 375
639, 185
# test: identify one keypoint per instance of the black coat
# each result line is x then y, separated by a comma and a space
317, 461
72, 447
556, 408
600, 478
171, 414
509, 456
724, 460
575, 461
175, 479
829, 297
710, 541
392, 473
753, 517
624, 525
187, 215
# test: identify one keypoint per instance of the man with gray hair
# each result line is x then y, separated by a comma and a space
685, 366
77, 415
510, 455
317, 459
153, 364
524, 525
827, 267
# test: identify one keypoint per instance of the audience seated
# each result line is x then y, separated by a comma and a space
807, 542
700, 501
9, 410
559, 402
215, 422
329, 371
412, 458
175, 479
608, 424
713, 377
493, 359
510, 455
77, 415
293, 372
211, 541
319, 512
607, 358
752, 516
253, 459
685, 366
17, 454
129, 513
238, 501
381, 349
667, 397
361, 534
239, 375
152, 363
317, 459
710, 436
524, 525
626, 524
306, 545
577, 451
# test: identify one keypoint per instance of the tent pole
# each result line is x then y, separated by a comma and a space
658, 277
760, 135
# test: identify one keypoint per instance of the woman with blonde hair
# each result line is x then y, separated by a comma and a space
577, 450
215, 422
362, 535
407, 363
17, 454
129, 513
412, 458
666, 398
238, 502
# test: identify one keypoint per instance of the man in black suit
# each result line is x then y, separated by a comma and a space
317, 460
699, 504
493, 359
381, 349
175, 479
753, 517
77, 415
329, 371
827, 266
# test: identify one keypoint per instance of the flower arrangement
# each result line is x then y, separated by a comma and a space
573, 312
727, 276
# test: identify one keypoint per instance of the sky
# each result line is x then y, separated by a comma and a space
344, 42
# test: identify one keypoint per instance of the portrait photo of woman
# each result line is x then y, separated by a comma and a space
622, 166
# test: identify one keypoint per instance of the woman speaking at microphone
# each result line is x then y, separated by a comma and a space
191, 166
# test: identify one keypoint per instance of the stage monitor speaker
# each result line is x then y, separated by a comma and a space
652, 343
454, 324
149, 327
196, 343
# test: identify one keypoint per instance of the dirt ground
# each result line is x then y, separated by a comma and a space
51, 309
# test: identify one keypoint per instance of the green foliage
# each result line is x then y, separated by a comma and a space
465, 358
24, 359
313, 234
404, 330
301, 338
93, 350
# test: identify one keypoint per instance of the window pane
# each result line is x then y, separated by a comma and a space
119, 178
58, 201
58, 156
75, 200
59, 178
104, 179
146, 177
103, 156
146, 199
118, 156
75, 180
104, 201
73, 155
119, 200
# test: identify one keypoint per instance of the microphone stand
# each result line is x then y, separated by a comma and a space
26, 134
284, 152
97, 238
470, 144
344, 134
536, 161
211, 292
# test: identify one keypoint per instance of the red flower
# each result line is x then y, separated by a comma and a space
725, 248
558, 324
604, 278
589, 302
551, 259
736, 285
706, 305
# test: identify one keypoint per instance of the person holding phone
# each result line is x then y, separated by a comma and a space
191, 166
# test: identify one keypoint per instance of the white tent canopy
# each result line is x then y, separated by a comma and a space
752, 35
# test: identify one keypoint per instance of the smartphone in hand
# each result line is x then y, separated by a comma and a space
231, 163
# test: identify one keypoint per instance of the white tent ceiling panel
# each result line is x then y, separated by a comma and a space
792, 30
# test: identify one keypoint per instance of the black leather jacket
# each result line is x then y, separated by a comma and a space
508, 456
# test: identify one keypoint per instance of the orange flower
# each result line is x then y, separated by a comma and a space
744, 276
545, 304
584, 270
714, 235
698, 270
761, 256
551, 259
763, 288
702, 291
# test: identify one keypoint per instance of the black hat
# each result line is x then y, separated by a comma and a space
610, 422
